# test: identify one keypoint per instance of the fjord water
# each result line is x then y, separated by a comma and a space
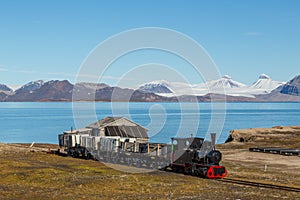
42, 122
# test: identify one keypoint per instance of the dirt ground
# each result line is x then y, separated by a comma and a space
264, 167
264, 161
268, 167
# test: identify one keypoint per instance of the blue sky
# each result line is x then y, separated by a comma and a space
51, 39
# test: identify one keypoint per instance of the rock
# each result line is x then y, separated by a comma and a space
256, 134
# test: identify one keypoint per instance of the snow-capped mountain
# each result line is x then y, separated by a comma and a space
266, 83
31, 86
166, 88
5, 88
224, 82
225, 85
156, 87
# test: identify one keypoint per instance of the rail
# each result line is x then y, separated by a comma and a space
258, 184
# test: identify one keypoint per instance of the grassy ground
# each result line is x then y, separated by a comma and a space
38, 175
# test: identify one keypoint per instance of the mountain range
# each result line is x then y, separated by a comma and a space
263, 90
225, 85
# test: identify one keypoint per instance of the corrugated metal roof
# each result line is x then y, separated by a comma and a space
103, 122
126, 131
108, 120
131, 129
77, 131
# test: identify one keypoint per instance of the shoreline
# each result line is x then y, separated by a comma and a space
104, 101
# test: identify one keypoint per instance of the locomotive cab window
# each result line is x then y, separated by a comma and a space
187, 143
175, 144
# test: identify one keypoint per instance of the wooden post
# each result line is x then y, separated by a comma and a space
136, 147
148, 149
158, 150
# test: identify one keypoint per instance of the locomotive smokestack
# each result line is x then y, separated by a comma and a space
213, 140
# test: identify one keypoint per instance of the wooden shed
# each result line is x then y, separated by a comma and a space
122, 130
118, 126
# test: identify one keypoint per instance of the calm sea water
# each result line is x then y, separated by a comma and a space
42, 122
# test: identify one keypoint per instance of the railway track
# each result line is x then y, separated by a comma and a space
261, 185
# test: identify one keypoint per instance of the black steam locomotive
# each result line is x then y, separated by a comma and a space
192, 155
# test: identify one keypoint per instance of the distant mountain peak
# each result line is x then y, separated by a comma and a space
264, 76
5, 88
31, 86
224, 82
159, 86
292, 87
226, 77
295, 80
266, 83
157, 82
